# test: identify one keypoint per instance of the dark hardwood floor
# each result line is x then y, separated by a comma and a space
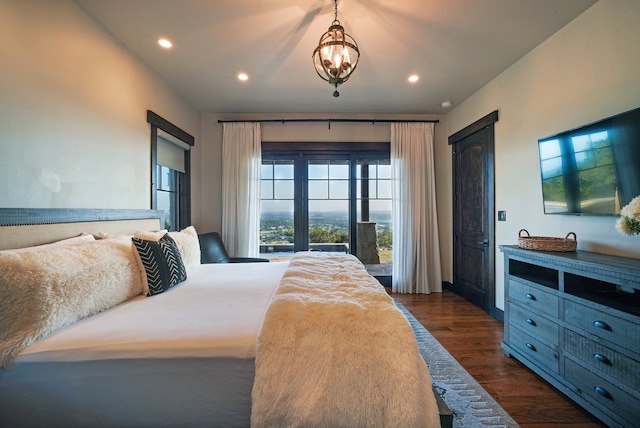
473, 338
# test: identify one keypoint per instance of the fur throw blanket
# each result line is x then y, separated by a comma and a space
335, 351
43, 290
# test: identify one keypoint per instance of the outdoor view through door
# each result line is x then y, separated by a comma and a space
335, 202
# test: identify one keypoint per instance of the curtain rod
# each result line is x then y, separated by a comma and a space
373, 121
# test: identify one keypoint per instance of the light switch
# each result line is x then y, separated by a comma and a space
502, 216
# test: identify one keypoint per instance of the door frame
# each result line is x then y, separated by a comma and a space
490, 289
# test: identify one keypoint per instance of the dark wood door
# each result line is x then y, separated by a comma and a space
473, 180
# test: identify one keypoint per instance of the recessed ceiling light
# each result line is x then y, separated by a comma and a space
165, 43
447, 104
414, 78
243, 77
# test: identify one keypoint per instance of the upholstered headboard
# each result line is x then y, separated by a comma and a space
22, 227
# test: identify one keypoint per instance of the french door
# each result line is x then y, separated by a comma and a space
326, 221
326, 201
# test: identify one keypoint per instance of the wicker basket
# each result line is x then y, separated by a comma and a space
543, 243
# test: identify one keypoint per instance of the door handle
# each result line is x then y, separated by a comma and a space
484, 242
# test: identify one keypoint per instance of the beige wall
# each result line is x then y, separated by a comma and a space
73, 102
589, 70
211, 153
73, 129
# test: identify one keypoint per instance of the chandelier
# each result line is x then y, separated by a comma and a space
337, 54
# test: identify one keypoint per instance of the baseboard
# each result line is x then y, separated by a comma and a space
386, 282
497, 314
493, 310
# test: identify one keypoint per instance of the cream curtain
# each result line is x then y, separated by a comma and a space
416, 245
241, 162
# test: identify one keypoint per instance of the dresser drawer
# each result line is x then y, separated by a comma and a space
533, 348
533, 297
595, 389
617, 330
533, 324
626, 370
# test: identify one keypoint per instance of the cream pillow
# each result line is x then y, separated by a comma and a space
188, 245
80, 239
150, 235
144, 287
105, 235
44, 290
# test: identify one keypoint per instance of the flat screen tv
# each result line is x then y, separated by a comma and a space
594, 169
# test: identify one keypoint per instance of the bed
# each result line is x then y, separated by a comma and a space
314, 342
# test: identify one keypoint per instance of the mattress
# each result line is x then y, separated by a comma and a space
182, 358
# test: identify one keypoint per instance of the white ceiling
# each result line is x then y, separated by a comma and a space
455, 46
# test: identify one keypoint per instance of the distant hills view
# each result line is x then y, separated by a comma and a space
324, 227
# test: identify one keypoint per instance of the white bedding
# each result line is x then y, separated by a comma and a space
172, 360
217, 312
187, 357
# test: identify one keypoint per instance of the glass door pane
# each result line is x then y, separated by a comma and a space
277, 209
328, 205
374, 232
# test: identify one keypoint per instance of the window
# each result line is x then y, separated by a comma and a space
374, 207
170, 172
335, 199
167, 195
328, 200
277, 208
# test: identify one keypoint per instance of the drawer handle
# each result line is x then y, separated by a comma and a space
603, 392
530, 296
531, 322
603, 325
603, 359
530, 346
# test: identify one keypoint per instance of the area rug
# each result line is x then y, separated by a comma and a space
470, 404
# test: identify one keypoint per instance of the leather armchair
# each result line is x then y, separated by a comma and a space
212, 251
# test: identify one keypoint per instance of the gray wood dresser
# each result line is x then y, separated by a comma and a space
574, 319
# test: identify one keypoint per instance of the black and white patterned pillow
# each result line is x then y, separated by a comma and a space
162, 263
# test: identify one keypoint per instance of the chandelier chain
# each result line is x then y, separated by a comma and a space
335, 11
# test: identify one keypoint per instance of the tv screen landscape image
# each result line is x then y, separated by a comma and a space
593, 169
